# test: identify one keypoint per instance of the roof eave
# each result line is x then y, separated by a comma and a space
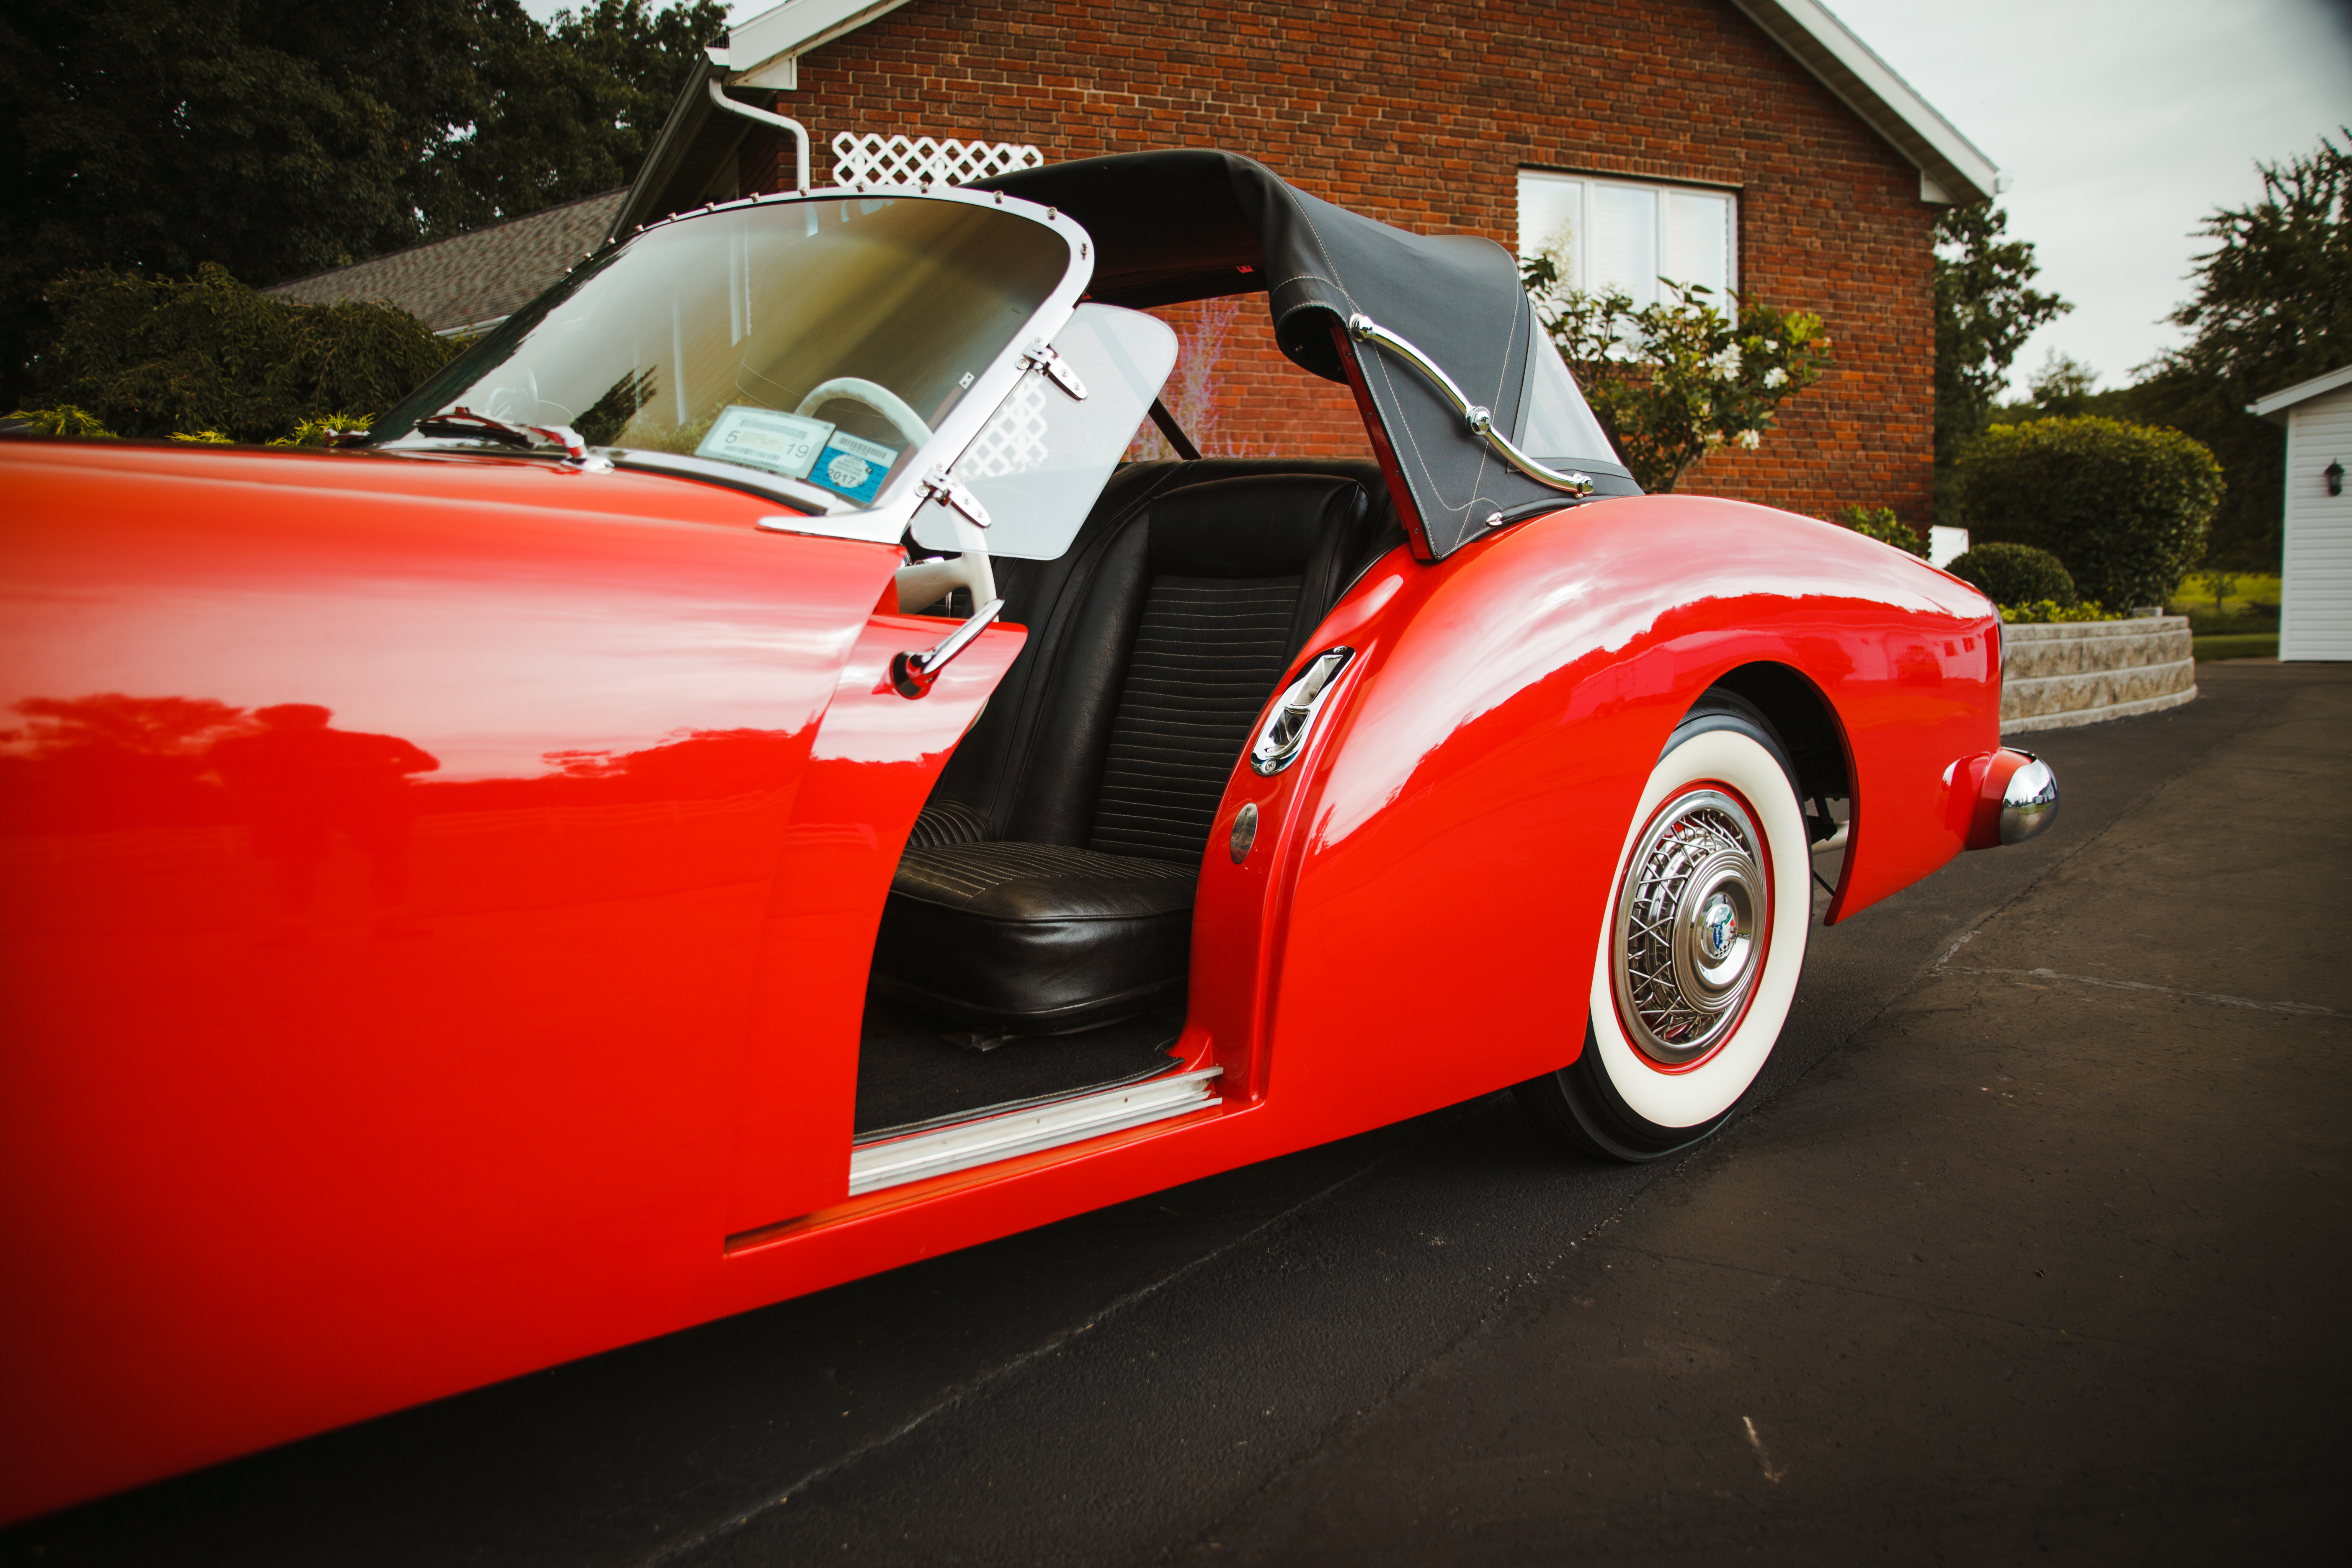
2274, 408
1952, 169
760, 50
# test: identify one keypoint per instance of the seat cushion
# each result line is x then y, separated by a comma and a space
1034, 938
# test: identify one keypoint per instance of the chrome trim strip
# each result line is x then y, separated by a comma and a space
969, 1143
1477, 418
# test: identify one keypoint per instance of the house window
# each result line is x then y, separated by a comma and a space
1616, 234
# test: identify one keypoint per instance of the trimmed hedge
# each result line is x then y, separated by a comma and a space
207, 355
2125, 507
2014, 575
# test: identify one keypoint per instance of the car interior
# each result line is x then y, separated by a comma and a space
1035, 939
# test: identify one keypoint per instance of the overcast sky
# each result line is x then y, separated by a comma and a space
2123, 123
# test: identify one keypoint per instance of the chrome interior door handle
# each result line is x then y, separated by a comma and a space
911, 674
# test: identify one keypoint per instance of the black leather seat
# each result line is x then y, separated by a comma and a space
1048, 885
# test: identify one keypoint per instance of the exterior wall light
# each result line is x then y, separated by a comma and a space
2333, 475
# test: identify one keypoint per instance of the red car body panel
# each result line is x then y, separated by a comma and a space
550, 1046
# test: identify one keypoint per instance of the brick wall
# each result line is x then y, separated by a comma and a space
1421, 114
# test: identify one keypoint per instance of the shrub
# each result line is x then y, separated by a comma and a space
1671, 382
2050, 610
65, 419
1880, 523
208, 355
2126, 507
2015, 574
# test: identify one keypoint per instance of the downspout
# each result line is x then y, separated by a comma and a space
775, 121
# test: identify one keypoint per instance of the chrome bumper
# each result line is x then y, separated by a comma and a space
2016, 797
2029, 801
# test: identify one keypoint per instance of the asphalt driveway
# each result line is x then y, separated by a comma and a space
2034, 1242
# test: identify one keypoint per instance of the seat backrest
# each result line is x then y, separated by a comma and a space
1153, 645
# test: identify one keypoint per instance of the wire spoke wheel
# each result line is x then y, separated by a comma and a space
1699, 946
1690, 927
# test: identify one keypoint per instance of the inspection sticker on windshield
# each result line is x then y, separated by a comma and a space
853, 467
784, 444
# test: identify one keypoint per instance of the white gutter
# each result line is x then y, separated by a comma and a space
792, 128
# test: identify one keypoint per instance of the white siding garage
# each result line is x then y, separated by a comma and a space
2316, 593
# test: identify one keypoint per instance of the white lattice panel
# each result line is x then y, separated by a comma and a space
1015, 441
871, 159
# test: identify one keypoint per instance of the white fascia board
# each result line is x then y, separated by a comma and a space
2279, 402
1953, 166
792, 29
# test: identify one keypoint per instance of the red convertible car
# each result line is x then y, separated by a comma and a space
734, 786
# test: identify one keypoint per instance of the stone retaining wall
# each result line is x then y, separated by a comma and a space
2086, 672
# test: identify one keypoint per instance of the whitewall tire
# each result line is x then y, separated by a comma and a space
1702, 940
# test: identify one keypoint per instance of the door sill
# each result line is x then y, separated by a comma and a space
897, 1161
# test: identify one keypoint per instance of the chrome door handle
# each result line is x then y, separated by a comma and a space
911, 674
1284, 730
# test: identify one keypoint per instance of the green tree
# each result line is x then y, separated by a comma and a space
276, 138
568, 110
2273, 307
1672, 381
1985, 309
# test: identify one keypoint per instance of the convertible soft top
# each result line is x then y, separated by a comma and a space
1198, 224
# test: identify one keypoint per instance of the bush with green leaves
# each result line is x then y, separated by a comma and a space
2015, 574
207, 355
1672, 381
2047, 611
2126, 507
1880, 523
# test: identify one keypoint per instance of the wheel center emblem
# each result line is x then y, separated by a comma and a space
1718, 923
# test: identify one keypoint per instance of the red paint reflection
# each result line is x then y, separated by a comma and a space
295, 781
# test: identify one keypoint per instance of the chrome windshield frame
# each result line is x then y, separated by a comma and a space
887, 520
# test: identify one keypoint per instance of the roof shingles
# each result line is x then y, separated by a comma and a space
470, 279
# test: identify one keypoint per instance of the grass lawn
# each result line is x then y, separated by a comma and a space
2236, 644
2249, 607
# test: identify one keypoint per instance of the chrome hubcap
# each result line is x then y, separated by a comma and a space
1690, 927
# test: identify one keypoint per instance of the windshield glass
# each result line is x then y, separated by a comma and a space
820, 342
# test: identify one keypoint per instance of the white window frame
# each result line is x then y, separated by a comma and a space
1581, 273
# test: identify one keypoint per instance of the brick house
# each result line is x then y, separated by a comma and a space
1750, 144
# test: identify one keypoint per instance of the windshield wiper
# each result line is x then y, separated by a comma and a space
464, 422
481, 426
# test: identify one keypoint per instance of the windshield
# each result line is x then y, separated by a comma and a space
820, 342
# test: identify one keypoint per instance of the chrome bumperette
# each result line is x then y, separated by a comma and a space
1283, 734
2029, 801
1476, 419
